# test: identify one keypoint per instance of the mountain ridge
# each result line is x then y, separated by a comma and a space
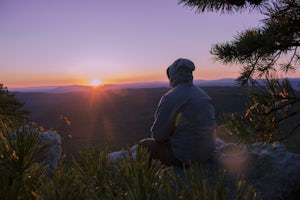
154, 84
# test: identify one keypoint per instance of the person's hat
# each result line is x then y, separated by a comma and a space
180, 63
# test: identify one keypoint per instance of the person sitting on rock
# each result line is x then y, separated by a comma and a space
184, 124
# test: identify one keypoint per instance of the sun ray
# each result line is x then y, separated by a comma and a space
95, 82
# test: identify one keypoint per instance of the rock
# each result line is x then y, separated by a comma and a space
52, 150
270, 169
49, 147
123, 154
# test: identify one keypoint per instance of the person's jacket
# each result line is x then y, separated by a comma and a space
185, 118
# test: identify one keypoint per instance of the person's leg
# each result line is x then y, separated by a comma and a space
160, 151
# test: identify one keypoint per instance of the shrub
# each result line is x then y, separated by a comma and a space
19, 170
92, 175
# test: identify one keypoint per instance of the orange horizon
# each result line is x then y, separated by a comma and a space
89, 80
85, 83
100, 84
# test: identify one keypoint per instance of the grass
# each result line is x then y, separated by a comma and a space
91, 175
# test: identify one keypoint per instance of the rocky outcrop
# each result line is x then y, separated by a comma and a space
46, 146
270, 169
123, 153
51, 150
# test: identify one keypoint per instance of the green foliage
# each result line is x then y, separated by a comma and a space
91, 175
136, 180
262, 52
210, 185
11, 111
20, 173
273, 114
223, 5
259, 50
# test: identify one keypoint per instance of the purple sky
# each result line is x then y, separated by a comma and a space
63, 42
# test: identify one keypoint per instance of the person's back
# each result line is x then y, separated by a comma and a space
193, 137
184, 125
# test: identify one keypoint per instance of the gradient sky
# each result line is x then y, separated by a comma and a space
66, 42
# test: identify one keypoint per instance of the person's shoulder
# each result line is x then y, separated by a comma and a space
168, 94
203, 94
173, 95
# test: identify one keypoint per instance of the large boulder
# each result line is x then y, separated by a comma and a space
269, 168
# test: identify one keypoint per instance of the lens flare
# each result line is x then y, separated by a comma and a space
95, 82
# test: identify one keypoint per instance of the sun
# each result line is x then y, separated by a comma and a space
95, 82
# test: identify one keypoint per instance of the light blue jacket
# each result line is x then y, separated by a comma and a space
185, 118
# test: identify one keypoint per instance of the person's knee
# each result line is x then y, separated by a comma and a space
146, 143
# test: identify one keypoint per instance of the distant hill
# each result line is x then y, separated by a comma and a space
219, 82
230, 82
295, 83
155, 84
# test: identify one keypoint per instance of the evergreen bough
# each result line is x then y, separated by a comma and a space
262, 52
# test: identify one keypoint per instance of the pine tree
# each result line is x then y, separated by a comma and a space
11, 110
274, 112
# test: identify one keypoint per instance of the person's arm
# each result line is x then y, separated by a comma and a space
162, 127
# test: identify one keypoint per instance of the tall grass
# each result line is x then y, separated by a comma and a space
91, 175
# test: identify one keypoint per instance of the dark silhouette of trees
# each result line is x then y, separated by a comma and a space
274, 112
11, 110
223, 5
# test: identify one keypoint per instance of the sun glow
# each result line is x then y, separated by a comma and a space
95, 82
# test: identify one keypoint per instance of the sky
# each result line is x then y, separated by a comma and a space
71, 42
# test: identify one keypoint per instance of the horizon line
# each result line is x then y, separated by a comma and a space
102, 85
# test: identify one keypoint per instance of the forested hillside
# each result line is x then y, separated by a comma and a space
112, 118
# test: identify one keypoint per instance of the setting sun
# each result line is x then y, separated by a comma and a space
95, 82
